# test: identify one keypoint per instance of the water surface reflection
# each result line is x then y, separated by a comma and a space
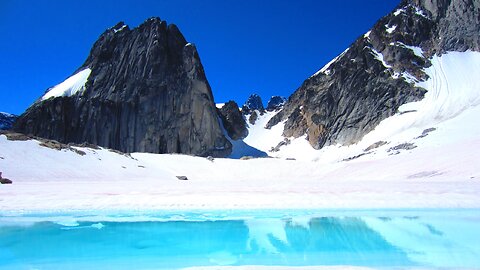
431, 241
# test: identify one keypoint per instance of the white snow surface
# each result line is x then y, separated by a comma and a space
390, 29
71, 86
367, 35
379, 57
420, 12
439, 170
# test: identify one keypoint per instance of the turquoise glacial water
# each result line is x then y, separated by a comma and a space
170, 240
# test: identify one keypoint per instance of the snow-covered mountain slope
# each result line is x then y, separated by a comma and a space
379, 72
429, 161
445, 116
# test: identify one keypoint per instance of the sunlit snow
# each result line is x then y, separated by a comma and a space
325, 69
390, 29
71, 86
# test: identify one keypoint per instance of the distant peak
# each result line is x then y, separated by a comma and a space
254, 102
275, 103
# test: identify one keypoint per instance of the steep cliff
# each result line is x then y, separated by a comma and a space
370, 80
140, 90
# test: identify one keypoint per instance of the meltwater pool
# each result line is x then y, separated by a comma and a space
175, 240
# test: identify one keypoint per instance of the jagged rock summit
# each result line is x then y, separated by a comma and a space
140, 90
7, 120
275, 103
378, 73
254, 102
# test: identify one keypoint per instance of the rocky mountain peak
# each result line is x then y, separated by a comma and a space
254, 102
145, 91
377, 74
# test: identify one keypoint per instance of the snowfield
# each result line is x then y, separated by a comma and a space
424, 157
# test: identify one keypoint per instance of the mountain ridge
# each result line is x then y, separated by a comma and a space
369, 81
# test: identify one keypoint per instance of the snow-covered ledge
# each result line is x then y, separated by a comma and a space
71, 86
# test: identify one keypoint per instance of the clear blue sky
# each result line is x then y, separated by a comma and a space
246, 46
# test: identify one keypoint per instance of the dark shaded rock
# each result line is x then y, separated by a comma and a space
253, 118
254, 102
457, 23
147, 92
7, 120
182, 177
276, 103
233, 121
375, 76
5, 181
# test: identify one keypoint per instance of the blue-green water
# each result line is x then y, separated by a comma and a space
380, 239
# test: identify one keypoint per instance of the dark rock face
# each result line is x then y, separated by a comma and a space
233, 121
276, 103
254, 102
7, 120
375, 76
147, 92
457, 23
253, 118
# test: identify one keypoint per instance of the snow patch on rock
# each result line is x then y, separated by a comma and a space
325, 69
71, 86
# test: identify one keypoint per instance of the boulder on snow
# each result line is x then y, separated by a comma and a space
4, 181
182, 177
